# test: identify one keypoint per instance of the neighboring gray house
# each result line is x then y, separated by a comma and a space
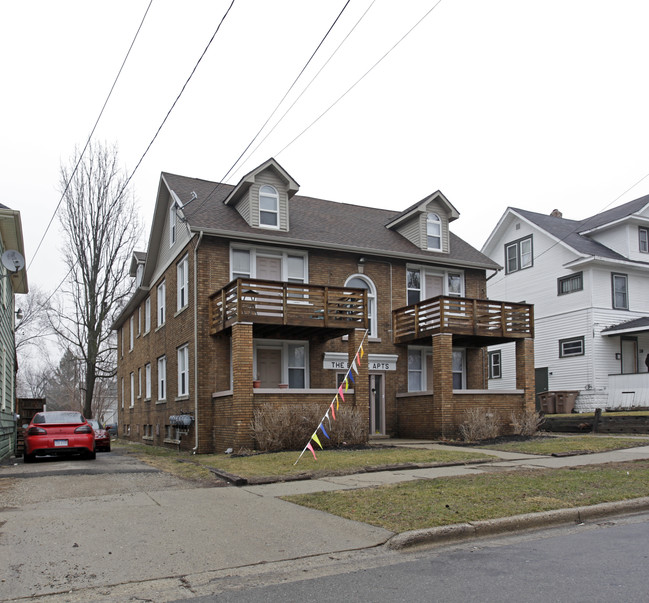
11, 282
589, 283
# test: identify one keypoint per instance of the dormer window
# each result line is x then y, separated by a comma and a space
268, 207
434, 232
172, 225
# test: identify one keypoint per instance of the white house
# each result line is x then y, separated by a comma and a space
589, 283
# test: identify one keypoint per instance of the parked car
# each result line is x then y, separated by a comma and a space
102, 437
59, 432
111, 428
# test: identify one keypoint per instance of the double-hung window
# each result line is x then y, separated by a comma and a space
495, 365
182, 273
172, 224
161, 303
147, 381
147, 315
433, 232
643, 239
620, 291
132, 390
183, 370
268, 264
268, 207
518, 254
162, 378
425, 284
131, 333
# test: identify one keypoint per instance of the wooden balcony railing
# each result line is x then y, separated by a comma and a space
463, 316
294, 304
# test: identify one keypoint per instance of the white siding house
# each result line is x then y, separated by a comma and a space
589, 283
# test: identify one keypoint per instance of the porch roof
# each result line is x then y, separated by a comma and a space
636, 325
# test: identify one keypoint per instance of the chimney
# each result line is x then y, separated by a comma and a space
555, 213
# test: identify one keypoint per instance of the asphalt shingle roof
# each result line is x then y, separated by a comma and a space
316, 222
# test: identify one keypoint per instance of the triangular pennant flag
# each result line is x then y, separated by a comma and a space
354, 367
327, 415
358, 360
312, 451
337, 402
340, 391
351, 377
314, 437
362, 350
333, 412
324, 431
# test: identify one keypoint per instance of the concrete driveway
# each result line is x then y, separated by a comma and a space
67, 525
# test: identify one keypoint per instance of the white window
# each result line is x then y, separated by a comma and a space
643, 239
268, 264
139, 320
182, 272
139, 271
132, 390
571, 347
434, 232
162, 378
415, 370
147, 315
458, 369
495, 365
268, 207
131, 333
518, 255
122, 393
161, 303
139, 382
183, 370
423, 283
280, 362
362, 282
147, 381
172, 224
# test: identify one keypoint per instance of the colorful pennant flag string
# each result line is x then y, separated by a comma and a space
348, 376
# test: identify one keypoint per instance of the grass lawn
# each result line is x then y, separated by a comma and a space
445, 501
568, 444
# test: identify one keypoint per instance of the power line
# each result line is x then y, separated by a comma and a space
276, 107
76, 167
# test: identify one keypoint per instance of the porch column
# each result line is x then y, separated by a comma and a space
242, 398
443, 384
525, 372
361, 380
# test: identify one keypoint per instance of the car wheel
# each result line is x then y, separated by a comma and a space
29, 458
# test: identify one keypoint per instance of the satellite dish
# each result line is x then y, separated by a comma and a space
13, 261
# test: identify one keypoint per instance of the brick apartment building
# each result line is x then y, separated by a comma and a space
253, 294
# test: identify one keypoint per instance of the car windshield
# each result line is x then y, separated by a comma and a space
95, 424
59, 416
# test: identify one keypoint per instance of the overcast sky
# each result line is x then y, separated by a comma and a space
524, 103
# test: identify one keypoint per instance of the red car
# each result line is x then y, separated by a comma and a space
102, 437
59, 432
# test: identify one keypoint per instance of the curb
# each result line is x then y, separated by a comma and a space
515, 523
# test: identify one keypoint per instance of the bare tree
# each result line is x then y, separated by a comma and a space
33, 326
101, 228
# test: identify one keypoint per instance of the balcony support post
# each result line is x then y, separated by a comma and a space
443, 383
525, 372
242, 396
361, 383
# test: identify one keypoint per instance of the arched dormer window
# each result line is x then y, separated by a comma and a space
433, 232
268, 207
359, 281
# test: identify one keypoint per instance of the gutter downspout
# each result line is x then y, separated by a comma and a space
200, 238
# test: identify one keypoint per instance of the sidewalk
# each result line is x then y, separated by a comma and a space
503, 461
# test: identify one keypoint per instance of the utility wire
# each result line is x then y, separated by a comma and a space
76, 167
218, 185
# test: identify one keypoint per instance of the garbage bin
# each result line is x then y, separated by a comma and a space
565, 401
548, 402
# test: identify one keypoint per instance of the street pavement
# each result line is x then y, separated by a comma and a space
107, 547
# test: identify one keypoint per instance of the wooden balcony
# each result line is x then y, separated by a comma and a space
470, 321
291, 310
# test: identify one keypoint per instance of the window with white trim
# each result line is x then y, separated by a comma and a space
161, 303
139, 320
172, 224
147, 315
131, 333
162, 378
359, 281
182, 283
139, 382
278, 362
132, 390
643, 239
147, 381
570, 284
416, 370
293, 265
433, 232
423, 283
183, 370
268, 207
518, 255
122, 401
459, 373
495, 364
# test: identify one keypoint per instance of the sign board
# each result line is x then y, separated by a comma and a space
337, 361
